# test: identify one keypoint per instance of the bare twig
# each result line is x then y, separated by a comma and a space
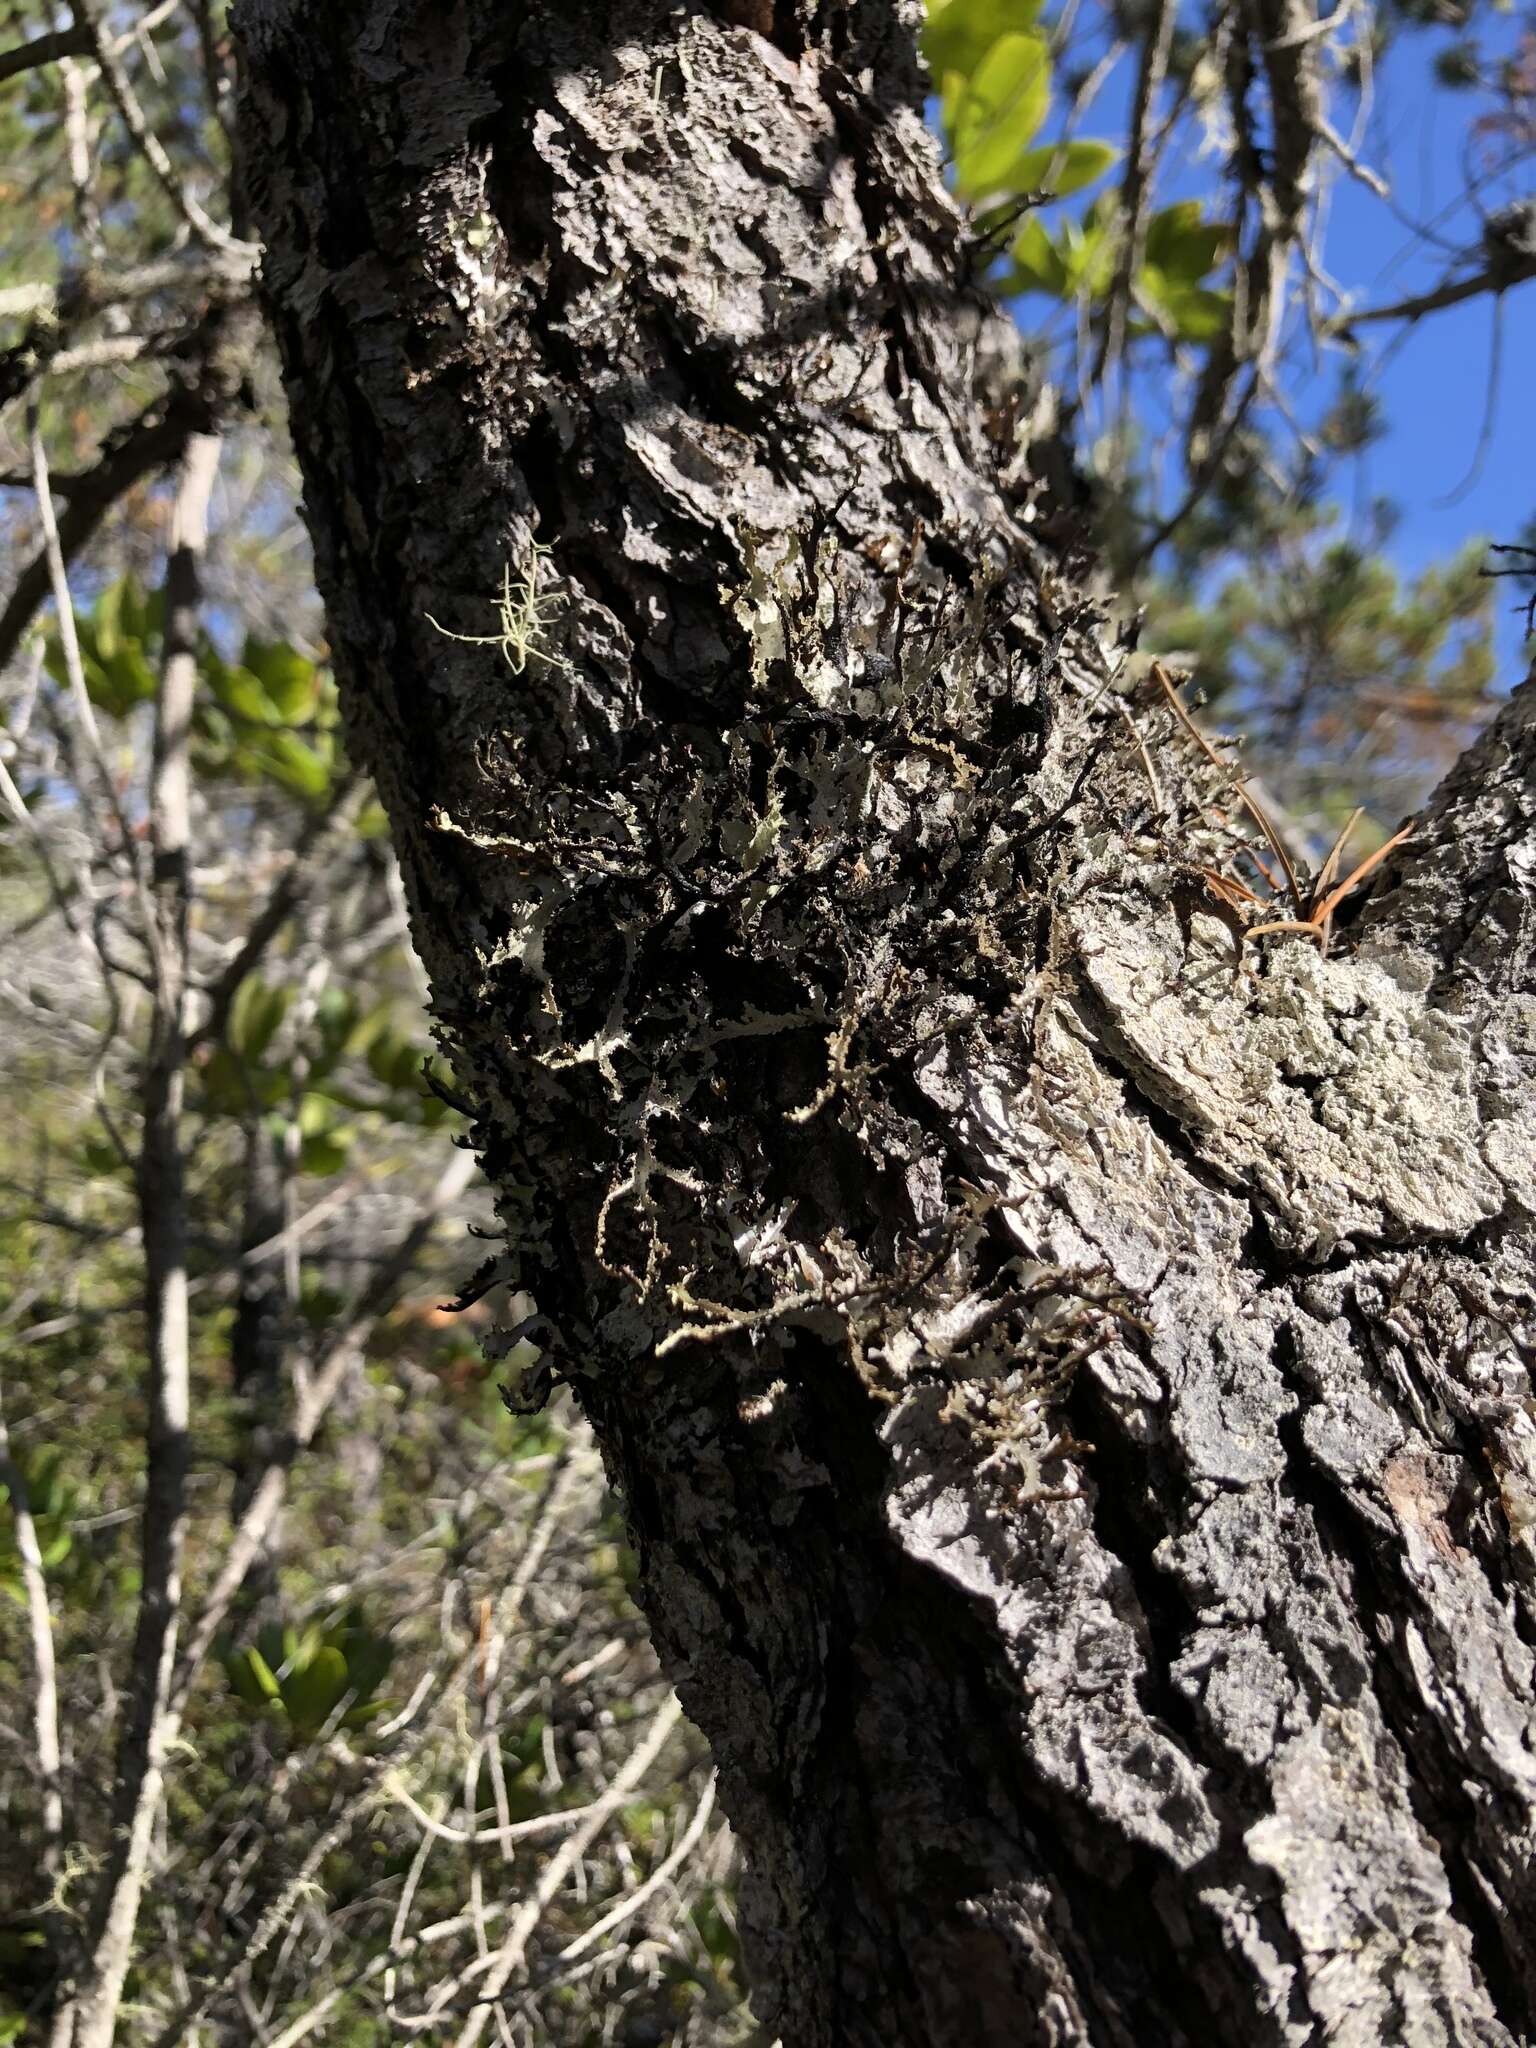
324, 1384
1135, 187
91, 291
499, 1969
150, 147
64, 42
295, 882
77, 135
150, 1723
627, 1908
45, 1691
1204, 475
69, 639
153, 440
1496, 277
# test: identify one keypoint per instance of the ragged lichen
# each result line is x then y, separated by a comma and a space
525, 616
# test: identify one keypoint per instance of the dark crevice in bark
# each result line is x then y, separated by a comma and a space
1261, 1254
1127, 1971
1134, 1499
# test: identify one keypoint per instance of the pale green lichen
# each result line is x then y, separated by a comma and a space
524, 617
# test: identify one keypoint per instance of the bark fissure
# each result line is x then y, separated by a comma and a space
1442, 1801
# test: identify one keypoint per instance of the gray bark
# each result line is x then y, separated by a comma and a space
875, 1112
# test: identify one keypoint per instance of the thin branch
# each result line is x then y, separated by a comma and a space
143, 29
331, 1368
1497, 277
90, 291
400, 1950
101, 355
235, 1971
69, 639
499, 1968
153, 440
1204, 476
1135, 188
1373, 181
148, 142
64, 42
77, 136
45, 1691
627, 1908
1491, 392
151, 1723
293, 885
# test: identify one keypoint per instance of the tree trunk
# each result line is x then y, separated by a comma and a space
1069, 1387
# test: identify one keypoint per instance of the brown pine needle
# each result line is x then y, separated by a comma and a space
1330, 903
1330, 866
1228, 889
1250, 804
1322, 899
1315, 926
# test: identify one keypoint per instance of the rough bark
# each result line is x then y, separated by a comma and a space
875, 1112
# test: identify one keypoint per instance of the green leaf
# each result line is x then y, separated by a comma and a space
1063, 167
1194, 313
368, 1654
291, 681
958, 33
117, 674
1079, 261
1039, 265
999, 114
312, 1693
1182, 246
325, 1144
239, 692
98, 1158
1092, 248
250, 1677
141, 613
291, 763
279, 1645
123, 681
45, 1495
337, 1015
106, 618
229, 1087
395, 1061
359, 1717
254, 1015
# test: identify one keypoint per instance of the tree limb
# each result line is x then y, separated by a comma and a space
1496, 277
47, 49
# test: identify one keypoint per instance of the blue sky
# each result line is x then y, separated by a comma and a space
1434, 385
1432, 377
